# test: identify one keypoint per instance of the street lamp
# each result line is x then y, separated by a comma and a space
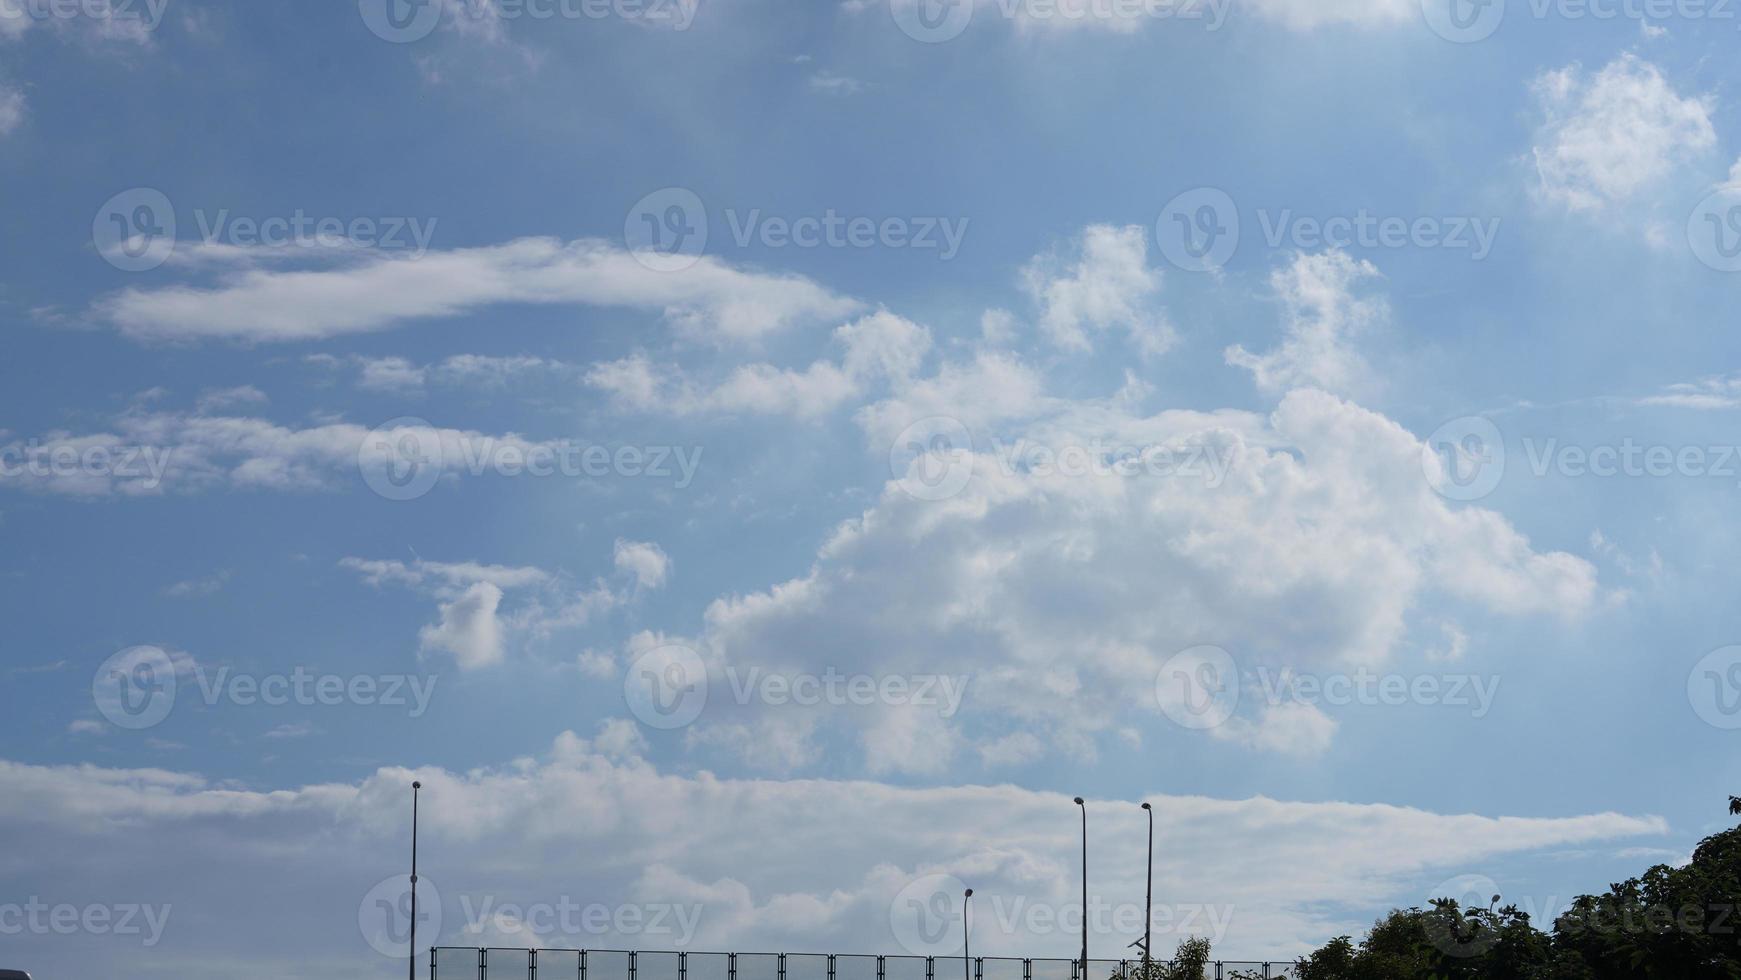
411, 967
966, 937
1084, 807
1149, 900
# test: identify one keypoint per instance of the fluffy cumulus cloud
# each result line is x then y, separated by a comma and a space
145, 452
1088, 543
1101, 282
255, 299
1609, 137
833, 865
1050, 17
879, 348
472, 625
1324, 313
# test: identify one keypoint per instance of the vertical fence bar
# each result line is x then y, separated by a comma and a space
631, 966
583, 964
682, 966
782, 966
731, 967
830, 966
930, 969
879, 969
483, 964
532, 964
1027, 969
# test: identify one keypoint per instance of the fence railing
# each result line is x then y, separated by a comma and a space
466, 963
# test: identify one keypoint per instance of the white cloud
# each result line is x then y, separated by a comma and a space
1607, 138
1303, 539
468, 628
367, 292
881, 347
12, 109
1061, 17
1103, 283
593, 822
222, 399
146, 453
1322, 315
471, 623
644, 560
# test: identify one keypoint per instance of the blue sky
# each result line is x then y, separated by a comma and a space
232, 452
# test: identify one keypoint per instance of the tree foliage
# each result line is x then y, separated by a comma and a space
1675, 923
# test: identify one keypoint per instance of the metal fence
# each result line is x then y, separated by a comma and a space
465, 963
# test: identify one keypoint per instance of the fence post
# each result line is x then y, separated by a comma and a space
1027, 969
731, 967
483, 964
532, 964
879, 968
631, 966
583, 964
830, 966
682, 966
782, 967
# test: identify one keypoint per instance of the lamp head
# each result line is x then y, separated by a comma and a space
1147, 807
970, 893
1079, 801
416, 785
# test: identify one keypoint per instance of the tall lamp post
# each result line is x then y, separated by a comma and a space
966, 937
1084, 807
1149, 899
411, 967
